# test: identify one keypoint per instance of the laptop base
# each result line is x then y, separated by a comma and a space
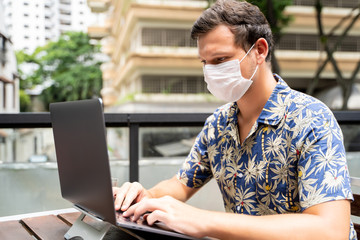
85, 231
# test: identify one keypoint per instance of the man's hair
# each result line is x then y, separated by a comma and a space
244, 20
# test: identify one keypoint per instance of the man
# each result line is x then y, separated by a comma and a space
272, 150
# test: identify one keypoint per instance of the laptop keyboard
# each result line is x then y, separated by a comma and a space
121, 219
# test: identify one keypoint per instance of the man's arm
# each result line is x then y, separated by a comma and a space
130, 193
329, 220
174, 188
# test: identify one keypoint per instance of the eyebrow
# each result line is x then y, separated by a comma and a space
220, 53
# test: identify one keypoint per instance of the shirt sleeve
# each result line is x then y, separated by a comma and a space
196, 171
322, 168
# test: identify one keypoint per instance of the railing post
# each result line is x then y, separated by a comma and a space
134, 152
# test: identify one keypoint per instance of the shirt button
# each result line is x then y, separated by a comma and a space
238, 208
241, 175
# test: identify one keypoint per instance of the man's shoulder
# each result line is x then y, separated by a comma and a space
296, 99
307, 106
222, 113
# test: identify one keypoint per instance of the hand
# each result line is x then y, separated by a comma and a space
127, 194
174, 214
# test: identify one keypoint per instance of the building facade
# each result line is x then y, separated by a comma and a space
9, 87
9, 82
154, 65
32, 23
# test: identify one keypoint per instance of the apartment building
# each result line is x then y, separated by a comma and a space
31, 23
9, 82
9, 86
154, 65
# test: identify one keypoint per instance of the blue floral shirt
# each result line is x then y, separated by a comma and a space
292, 159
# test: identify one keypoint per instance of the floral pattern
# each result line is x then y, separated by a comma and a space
292, 159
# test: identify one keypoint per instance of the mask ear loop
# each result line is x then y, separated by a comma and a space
257, 66
247, 52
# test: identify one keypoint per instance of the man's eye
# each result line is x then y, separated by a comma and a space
221, 59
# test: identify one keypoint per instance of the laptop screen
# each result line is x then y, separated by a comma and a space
82, 157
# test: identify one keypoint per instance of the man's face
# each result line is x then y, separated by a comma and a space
218, 46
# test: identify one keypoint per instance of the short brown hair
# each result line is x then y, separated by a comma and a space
244, 20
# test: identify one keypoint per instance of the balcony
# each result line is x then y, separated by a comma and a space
65, 19
35, 181
97, 6
65, 2
49, 3
100, 27
65, 9
98, 32
107, 45
64, 28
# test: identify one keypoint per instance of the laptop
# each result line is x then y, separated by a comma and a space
83, 164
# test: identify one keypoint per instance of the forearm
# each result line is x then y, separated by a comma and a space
172, 187
284, 226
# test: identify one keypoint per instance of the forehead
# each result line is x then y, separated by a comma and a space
220, 39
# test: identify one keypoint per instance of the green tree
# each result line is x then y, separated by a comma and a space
70, 66
25, 101
274, 13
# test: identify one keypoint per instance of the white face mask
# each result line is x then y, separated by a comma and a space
225, 81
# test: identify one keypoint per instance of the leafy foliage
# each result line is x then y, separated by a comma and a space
25, 101
274, 13
69, 64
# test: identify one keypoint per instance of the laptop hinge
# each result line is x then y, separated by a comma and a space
93, 216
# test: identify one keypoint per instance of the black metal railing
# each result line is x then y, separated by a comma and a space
135, 121
132, 121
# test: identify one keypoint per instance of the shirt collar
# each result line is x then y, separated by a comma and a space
274, 109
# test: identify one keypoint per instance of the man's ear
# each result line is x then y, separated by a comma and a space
262, 50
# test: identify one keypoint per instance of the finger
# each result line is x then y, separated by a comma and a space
131, 195
120, 194
157, 216
145, 206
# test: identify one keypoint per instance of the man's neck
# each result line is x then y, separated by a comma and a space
253, 102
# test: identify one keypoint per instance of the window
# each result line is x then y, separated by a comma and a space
2, 50
173, 84
329, 3
14, 91
4, 96
310, 42
167, 37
